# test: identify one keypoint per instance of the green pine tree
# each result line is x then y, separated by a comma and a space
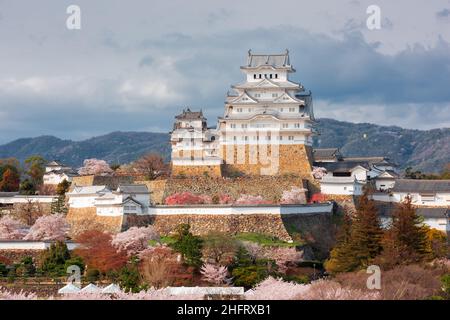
359, 240
339, 256
406, 240
366, 234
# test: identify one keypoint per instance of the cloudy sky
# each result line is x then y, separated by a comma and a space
135, 64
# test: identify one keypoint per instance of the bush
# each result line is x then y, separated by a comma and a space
92, 275
54, 259
247, 271
77, 261
188, 245
297, 279
129, 279
445, 280
249, 276
3, 270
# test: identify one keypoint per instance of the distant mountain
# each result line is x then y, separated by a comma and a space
426, 150
115, 147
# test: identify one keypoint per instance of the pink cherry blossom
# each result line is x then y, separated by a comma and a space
49, 228
134, 239
217, 275
95, 167
11, 229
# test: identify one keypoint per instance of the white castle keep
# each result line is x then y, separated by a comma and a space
266, 115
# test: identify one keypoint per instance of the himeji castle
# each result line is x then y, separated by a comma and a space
266, 128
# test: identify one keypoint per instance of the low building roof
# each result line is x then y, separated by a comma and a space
418, 185
371, 160
8, 194
385, 209
190, 115
68, 172
88, 189
326, 154
433, 212
132, 188
344, 166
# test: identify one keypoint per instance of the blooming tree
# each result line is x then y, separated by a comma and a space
95, 167
11, 229
9, 295
276, 289
225, 199
187, 198
331, 290
249, 199
283, 256
134, 239
318, 197
217, 275
49, 227
318, 172
294, 196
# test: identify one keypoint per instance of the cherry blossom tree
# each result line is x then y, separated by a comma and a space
294, 196
9, 295
251, 200
318, 172
95, 167
276, 289
134, 239
50, 227
11, 229
283, 256
214, 274
331, 290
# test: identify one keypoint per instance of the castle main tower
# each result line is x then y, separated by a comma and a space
267, 125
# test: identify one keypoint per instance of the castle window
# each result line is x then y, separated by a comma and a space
239, 109
268, 137
260, 75
244, 126
276, 75
297, 125
234, 138
257, 95
281, 110
270, 76
245, 138
291, 109
254, 76
274, 95
301, 108
233, 125
280, 138
291, 138
249, 109
285, 125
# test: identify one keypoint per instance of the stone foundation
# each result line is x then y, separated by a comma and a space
212, 171
284, 227
269, 187
269, 159
82, 219
93, 180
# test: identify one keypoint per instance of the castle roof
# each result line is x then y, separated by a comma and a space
275, 60
190, 115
